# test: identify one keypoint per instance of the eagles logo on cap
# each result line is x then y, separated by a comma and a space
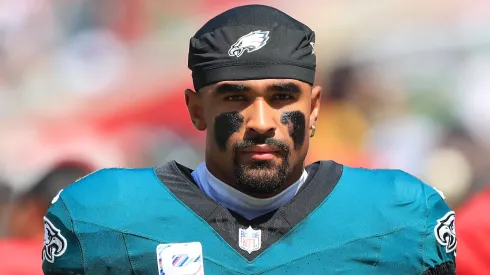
250, 42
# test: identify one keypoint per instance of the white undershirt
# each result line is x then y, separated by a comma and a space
241, 203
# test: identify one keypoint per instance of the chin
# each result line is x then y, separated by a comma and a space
261, 177
261, 173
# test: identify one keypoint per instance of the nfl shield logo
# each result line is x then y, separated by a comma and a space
250, 239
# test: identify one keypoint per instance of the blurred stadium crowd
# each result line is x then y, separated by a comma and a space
87, 84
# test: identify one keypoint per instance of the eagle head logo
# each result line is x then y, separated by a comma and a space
54, 242
250, 42
445, 232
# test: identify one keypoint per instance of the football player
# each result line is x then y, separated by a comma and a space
252, 207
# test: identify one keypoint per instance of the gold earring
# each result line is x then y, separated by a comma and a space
313, 130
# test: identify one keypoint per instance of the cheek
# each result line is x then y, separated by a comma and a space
296, 123
225, 125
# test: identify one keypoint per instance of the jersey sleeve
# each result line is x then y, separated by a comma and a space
61, 253
439, 247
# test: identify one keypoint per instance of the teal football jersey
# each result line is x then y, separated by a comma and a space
157, 221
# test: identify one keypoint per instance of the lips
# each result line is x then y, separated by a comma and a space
261, 148
261, 152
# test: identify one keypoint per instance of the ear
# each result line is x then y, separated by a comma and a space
316, 93
195, 108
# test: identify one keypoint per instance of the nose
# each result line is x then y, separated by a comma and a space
261, 118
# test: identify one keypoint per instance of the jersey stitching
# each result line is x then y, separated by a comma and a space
82, 260
378, 253
155, 240
340, 245
117, 230
127, 251
290, 227
129, 233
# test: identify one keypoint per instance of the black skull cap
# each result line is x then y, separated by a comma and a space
252, 42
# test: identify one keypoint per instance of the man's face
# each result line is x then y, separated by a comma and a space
257, 130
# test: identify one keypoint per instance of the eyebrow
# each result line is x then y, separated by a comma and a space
227, 88
285, 87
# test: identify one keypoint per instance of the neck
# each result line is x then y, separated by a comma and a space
246, 205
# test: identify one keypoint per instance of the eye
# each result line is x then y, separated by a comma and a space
282, 97
235, 98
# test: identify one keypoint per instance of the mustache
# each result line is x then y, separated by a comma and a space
281, 145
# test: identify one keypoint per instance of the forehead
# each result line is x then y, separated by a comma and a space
260, 85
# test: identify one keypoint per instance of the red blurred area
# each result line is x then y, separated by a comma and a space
20, 257
473, 231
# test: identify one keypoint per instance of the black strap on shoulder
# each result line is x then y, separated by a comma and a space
447, 268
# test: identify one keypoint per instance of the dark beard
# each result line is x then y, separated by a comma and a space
261, 177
